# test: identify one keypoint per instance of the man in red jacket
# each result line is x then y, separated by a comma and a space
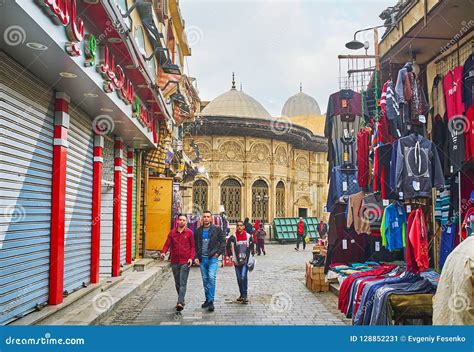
180, 242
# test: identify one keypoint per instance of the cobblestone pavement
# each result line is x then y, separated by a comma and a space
277, 295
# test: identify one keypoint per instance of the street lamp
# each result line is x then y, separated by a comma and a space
354, 44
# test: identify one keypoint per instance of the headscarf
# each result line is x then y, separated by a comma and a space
257, 225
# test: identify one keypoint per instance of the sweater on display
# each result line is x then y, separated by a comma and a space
418, 168
394, 227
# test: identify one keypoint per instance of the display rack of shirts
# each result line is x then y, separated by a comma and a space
417, 168
343, 122
417, 256
343, 183
393, 228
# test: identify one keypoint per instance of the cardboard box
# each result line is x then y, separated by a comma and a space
316, 286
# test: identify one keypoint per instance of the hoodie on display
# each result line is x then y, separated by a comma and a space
418, 168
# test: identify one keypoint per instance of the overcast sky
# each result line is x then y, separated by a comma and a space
272, 46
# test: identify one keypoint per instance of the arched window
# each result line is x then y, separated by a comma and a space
231, 199
260, 201
280, 200
200, 190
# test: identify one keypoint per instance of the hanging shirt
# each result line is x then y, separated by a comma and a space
442, 203
452, 85
363, 144
342, 183
393, 228
417, 256
355, 216
447, 242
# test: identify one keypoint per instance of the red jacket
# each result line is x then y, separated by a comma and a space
181, 246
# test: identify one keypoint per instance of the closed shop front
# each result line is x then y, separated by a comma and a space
107, 208
79, 174
123, 209
26, 154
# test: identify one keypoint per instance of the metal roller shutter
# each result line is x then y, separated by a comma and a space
123, 209
134, 208
26, 155
79, 174
107, 208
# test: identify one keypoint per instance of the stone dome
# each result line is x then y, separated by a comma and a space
235, 103
301, 104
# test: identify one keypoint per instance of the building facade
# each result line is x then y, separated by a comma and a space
253, 165
80, 107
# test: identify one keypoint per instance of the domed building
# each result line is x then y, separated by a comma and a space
255, 165
304, 110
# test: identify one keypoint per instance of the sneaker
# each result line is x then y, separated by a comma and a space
264, 253
239, 299
179, 307
245, 300
205, 304
211, 307
296, 249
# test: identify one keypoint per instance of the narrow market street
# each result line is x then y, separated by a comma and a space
277, 294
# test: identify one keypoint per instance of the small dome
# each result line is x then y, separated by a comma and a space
301, 104
236, 104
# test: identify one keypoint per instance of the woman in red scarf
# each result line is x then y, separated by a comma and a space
256, 227
240, 247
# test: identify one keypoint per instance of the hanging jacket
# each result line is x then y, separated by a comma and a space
394, 227
342, 183
417, 256
418, 168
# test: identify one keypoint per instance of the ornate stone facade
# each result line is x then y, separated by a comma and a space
300, 174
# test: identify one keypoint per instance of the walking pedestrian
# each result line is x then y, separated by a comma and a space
301, 232
239, 247
256, 227
180, 243
248, 226
260, 234
210, 244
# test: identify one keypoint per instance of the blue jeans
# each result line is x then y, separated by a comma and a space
242, 279
208, 273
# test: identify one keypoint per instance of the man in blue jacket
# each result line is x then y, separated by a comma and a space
210, 244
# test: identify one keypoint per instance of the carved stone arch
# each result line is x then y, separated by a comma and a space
231, 150
301, 163
304, 202
281, 156
260, 152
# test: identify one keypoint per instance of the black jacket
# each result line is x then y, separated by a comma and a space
216, 241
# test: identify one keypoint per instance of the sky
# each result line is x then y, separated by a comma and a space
272, 46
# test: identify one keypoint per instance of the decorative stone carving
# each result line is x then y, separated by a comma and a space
260, 152
281, 157
302, 163
231, 150
302, 187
